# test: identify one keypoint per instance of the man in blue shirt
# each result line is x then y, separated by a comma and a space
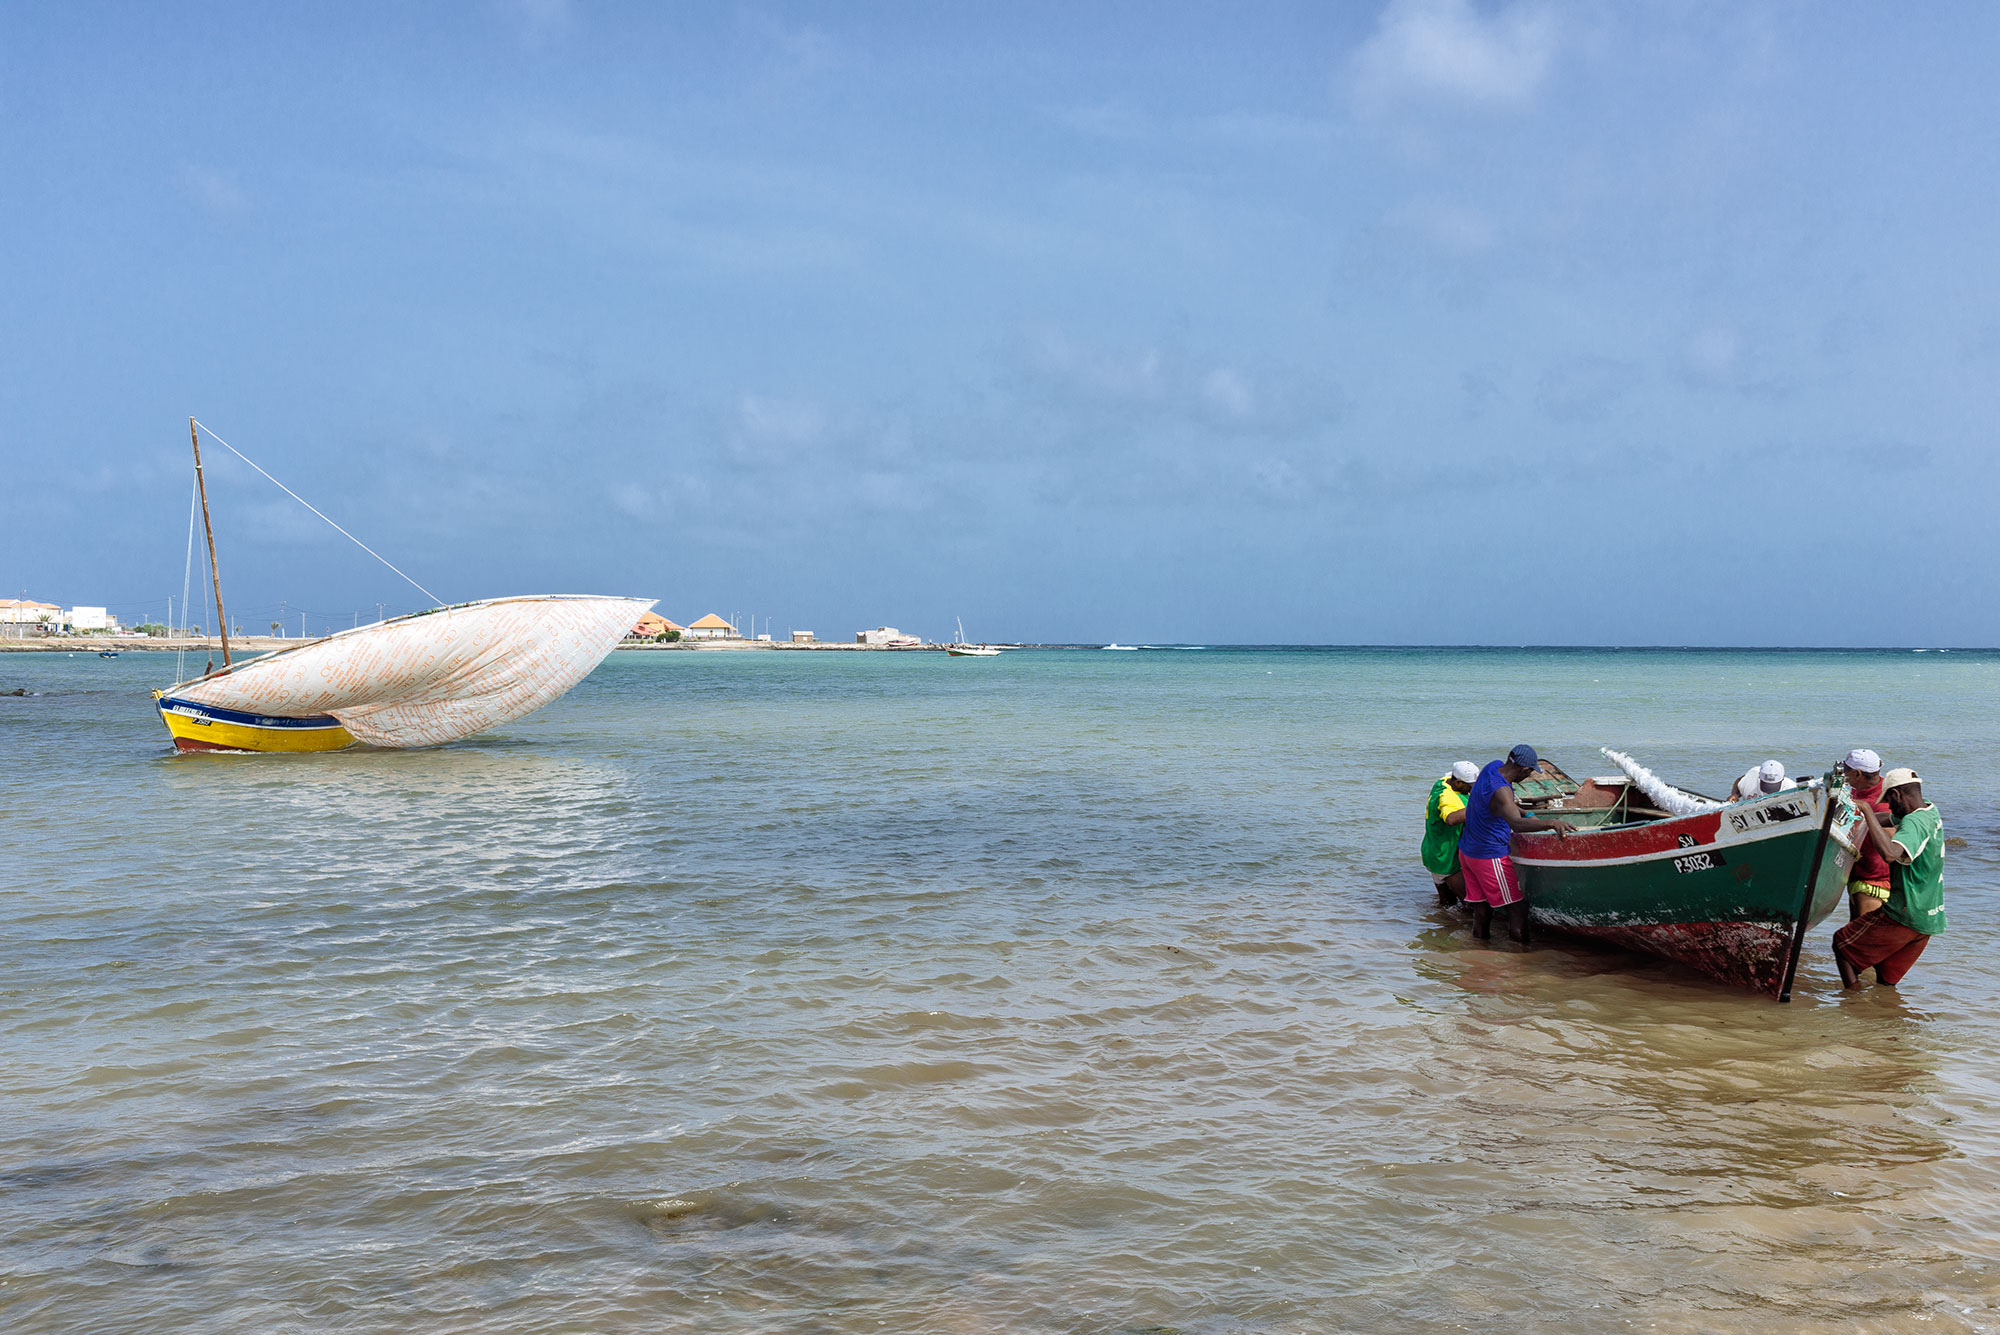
1491, 818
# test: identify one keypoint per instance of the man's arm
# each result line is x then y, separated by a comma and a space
1456, 817
1505, 807
1879, 837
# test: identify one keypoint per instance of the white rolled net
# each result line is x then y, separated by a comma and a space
1657, 790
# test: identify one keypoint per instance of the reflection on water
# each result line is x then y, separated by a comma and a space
859, 992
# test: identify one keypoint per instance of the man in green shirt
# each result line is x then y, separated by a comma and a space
1890, 939
1444, 821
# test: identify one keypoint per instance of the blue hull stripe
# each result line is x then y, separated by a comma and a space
247, 720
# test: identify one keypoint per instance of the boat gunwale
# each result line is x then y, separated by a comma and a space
1547, 842
243, 718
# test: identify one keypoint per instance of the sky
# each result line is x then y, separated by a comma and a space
1420, 322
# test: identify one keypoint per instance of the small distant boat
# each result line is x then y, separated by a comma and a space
960, 649
1729, 889
1124, 648
107, 653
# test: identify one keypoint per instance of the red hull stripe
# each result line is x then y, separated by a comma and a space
1663, 836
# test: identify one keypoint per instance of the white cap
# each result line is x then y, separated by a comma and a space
1862, 761
1770, 774
1896, 778
1465, 772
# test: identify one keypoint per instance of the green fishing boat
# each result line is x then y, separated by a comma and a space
1730, 890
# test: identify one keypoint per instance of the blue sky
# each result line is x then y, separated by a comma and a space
1430, 322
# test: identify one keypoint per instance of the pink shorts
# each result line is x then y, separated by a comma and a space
1490, 881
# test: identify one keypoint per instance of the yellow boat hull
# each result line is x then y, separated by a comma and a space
204, 728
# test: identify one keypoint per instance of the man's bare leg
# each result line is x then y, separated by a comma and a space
1517, 920
1482, 921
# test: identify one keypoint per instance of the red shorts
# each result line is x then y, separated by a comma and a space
1877, 940
1490, 881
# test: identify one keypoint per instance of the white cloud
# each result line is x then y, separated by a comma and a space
892, 492
773, 422
1446, 50
799, 50
1585, 389
1116, 388
215, 192
1106, 122
1452, 228
1721, 356
633, 499
1713, 353
1228, 394
536, 22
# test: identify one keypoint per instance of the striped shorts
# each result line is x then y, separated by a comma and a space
1490, 881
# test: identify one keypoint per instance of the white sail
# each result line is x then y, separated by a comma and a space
1661, 793
433, 677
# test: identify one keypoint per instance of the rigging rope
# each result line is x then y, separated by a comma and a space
187, 575
435, 600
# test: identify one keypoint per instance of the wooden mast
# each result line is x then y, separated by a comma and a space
201, 484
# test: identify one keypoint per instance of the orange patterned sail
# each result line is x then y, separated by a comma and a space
432, 677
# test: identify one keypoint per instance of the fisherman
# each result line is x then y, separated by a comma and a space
1890, 940
1492, 817
1444, 820
1868, 884
1761, 781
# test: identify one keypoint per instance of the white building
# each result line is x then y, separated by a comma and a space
802, 637
90, 618
885, 635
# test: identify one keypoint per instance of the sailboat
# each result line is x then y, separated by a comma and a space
418, 680
960, 649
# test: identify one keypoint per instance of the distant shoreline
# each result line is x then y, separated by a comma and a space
77, 644
258, 644
718, 645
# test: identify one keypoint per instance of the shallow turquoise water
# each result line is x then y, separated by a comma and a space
1066, 991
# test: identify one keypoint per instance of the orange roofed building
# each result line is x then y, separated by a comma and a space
20, 617
713, 627
651, 626
25, 611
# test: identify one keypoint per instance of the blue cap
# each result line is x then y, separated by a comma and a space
1524, 756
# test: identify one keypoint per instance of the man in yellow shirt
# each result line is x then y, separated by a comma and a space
1444, 820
